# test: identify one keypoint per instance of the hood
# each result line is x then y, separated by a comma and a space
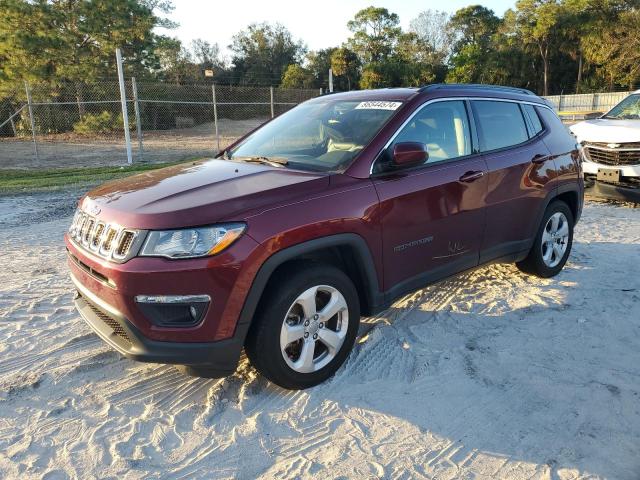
198, 193
604, 130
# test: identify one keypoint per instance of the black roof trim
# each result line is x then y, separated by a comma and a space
475, 86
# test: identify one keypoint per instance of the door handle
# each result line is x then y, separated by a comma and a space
539, 158
471, 176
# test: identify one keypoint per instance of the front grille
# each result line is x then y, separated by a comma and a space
125, 243
109, 241
109, 321
97, 236
623, 154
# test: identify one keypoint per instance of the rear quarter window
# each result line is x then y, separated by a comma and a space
501, 124
534, 120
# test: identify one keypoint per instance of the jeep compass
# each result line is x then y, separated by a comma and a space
326, 213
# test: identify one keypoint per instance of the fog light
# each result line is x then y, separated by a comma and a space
174, 310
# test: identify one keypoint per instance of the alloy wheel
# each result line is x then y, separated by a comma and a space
555, 239
314, 328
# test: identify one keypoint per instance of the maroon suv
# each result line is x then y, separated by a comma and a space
328, 212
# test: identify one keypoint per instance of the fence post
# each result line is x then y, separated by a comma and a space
13, 126
271, 92
215, 116
320, 90
136, 109
123, 100
330, 80
31, 120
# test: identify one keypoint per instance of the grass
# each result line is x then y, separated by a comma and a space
20, 181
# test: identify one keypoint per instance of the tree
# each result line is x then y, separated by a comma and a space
318, 63
345, 64
262, 53
375, 33
296, 76
415, 62
75, 40
372, 76
472, 30
536, 23
175, 63
207, 55
431, 28
618, 49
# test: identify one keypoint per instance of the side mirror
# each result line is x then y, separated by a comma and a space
409, 154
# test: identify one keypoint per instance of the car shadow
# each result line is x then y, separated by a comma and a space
500, 365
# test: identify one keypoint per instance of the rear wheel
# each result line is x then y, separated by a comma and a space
552, 244
306, 326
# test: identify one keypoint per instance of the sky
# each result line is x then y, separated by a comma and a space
319, 24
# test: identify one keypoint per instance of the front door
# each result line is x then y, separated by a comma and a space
432, 216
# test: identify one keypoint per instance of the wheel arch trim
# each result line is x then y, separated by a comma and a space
366, 269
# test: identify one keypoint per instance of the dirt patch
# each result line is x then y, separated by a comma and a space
70, 150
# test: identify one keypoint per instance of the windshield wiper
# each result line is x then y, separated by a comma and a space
272, 161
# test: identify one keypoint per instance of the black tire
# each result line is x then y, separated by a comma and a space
534, 263
263, 340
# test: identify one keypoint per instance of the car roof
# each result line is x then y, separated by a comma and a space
378, 94
440, 90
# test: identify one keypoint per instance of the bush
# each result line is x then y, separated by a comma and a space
103, 122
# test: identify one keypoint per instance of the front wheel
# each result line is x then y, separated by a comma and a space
306, 326
552, 244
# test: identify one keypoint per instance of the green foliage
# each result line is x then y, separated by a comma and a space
549, 46
75, 40
614, 47
103, 122
375, 33
296, 76
346, 68
262, 52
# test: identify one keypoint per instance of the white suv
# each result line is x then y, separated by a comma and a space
612, 143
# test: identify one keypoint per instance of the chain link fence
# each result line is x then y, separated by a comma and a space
78, 124
83, 124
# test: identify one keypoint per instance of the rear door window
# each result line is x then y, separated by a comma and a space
501, 124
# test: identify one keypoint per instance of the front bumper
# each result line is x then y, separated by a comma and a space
620, 192
218, 358
591, 168
107, 294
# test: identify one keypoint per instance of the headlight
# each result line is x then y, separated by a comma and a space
191, 242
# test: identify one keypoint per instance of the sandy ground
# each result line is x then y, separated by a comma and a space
492, 374
174, 145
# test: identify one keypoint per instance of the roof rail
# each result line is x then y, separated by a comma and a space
479, 86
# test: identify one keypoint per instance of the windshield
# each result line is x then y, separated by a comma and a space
321, 135
627, 109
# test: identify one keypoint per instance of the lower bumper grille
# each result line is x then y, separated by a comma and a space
108, 320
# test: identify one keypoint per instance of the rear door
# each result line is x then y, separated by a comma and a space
433, 215
519, 172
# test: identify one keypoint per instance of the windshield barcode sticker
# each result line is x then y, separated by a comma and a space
378, 105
